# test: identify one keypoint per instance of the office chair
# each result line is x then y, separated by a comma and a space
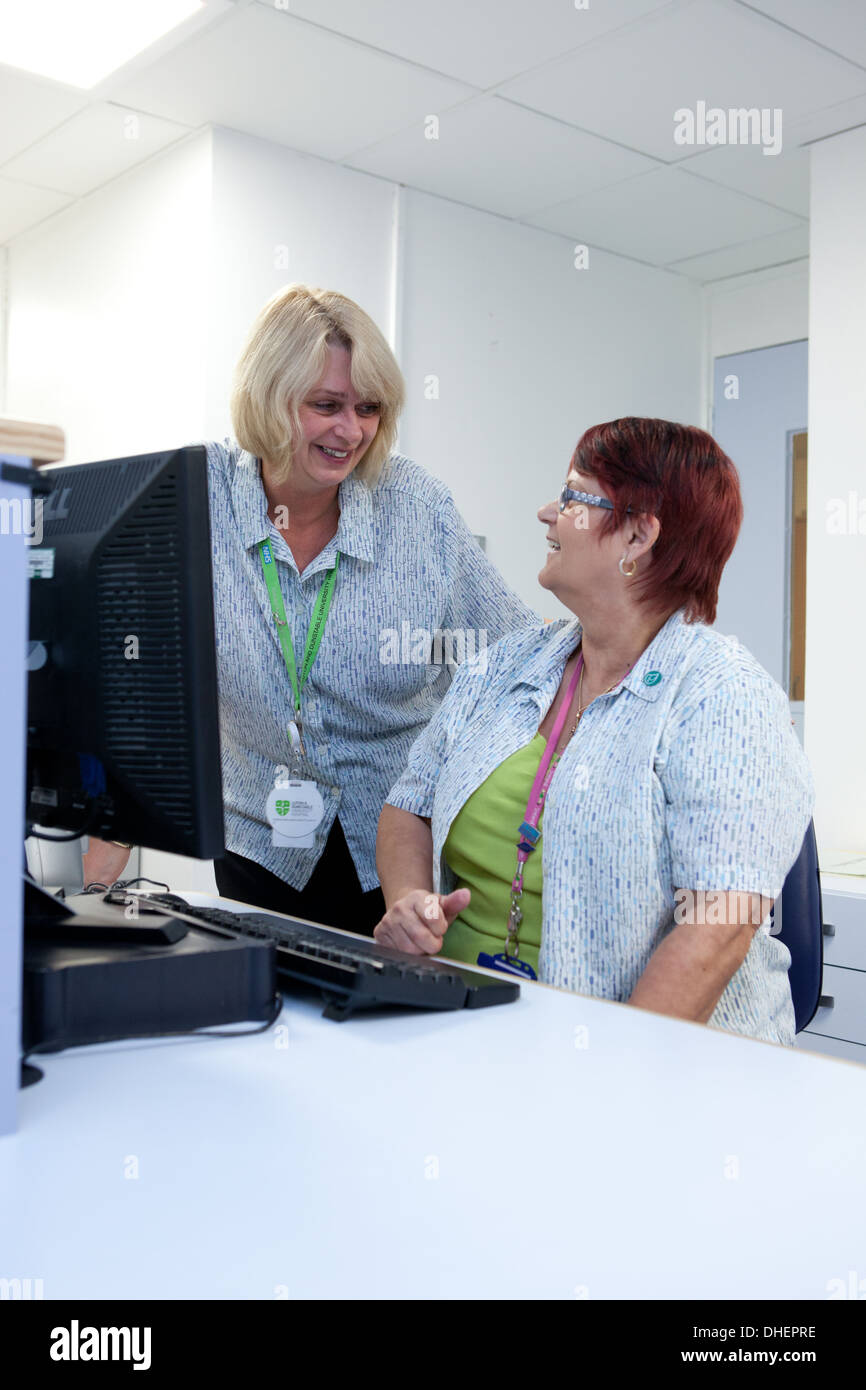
802, 929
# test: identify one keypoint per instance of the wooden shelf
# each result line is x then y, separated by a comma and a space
41, 443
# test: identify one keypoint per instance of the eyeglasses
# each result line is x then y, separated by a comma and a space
568, 495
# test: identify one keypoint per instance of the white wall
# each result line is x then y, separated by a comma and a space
744, 312
758, 310
529, 352
4, 325
107, 311
279, 216
835, 648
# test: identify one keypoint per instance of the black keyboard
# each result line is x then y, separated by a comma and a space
351, 972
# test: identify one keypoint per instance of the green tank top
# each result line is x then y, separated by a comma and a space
481, 851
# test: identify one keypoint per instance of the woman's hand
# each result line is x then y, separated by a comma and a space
417, 922
104, 862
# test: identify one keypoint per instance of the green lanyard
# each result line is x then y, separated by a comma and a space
317, 625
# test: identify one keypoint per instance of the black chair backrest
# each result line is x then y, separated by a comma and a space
799, 914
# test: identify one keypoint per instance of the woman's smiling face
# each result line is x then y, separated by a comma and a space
337, 426
579, 555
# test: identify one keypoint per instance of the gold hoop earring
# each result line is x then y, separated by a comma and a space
627, 574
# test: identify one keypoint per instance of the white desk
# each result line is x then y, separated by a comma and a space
299, 1163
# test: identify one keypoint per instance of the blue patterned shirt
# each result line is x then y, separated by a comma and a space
413, 583
687, 776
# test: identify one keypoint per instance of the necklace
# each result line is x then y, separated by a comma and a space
579, 703
581, 707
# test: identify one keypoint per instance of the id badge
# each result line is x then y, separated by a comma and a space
294, 811
510, 965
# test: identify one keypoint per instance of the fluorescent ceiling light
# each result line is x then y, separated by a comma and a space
81, 41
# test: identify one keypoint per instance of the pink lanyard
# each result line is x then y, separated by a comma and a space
529, 832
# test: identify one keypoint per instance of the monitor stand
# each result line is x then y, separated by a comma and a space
56, 863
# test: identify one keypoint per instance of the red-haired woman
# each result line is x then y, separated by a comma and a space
675, 795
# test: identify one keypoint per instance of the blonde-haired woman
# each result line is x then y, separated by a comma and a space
340, 568
345, 583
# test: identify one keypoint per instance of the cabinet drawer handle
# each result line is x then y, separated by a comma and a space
826, 1001
829, 929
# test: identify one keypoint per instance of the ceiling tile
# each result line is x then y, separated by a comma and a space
843, 115
663, 216
29, 108
91, 148
22, 206
501, 158
837, 24
628, 85
777, 249
481, 43
781, 179
266, 73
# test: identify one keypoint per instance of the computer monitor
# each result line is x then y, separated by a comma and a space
123, 731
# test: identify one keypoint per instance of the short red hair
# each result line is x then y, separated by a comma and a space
679, 474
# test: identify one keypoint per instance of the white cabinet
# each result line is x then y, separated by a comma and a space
839, 1026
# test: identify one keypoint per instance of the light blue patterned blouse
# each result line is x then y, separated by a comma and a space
688, 776
409, 568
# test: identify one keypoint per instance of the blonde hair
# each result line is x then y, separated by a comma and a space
283, 358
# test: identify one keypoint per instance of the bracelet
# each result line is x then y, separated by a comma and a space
120, 844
